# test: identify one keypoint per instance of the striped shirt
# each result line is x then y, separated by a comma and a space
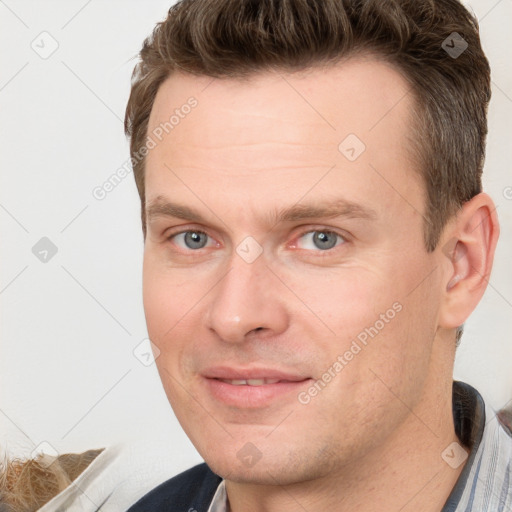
485, 483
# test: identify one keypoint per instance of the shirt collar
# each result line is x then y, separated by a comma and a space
220, 502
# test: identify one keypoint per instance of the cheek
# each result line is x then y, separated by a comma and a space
173, 317
158, 305
376, 315
397, 327
168, 297
165, 308
344, 300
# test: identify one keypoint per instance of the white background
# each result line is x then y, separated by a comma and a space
68, 375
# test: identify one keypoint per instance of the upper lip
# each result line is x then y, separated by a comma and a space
231, 373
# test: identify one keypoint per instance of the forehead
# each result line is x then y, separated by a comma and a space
366, 79
274, 124
365, 96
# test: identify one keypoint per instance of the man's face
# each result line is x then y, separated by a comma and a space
295, 312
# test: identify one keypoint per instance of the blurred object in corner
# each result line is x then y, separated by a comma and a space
26, 485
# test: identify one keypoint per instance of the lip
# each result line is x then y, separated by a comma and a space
249, 396
230, 373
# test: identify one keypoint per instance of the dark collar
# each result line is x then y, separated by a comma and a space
468, 414
469, 419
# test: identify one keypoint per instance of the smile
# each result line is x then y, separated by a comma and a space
251, 382
244, 388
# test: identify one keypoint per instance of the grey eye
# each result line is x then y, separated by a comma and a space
325, 239
195, 239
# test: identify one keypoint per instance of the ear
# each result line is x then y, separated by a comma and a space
468, 246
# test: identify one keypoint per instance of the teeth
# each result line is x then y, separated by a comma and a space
256, 382
250, 382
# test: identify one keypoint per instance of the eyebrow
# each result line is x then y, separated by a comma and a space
160, 207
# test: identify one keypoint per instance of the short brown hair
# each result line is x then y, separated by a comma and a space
237, 38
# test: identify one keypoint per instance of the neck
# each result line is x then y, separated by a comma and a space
405, 473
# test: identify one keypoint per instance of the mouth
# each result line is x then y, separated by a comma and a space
252, 388
251, 382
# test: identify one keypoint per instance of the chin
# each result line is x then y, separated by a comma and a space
269, 468
260, 474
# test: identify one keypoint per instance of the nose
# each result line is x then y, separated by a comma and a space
248, 299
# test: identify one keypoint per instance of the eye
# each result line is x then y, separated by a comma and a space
190, 239
323, 240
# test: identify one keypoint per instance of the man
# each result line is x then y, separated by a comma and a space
315, 237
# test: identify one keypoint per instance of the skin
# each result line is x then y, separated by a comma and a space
375, 433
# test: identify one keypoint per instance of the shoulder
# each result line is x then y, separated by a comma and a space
193, 488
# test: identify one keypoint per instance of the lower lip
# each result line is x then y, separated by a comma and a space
246, 396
